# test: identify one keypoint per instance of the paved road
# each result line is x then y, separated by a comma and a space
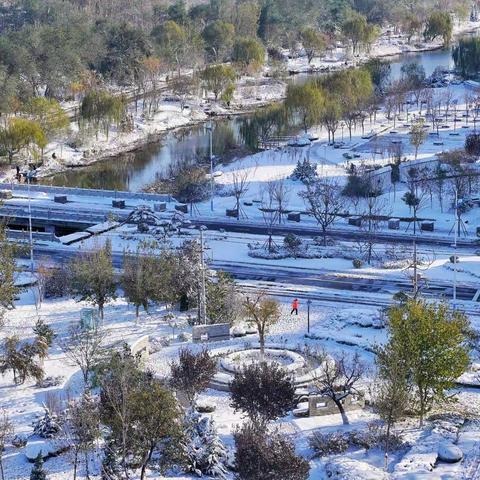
309, 283
84, 215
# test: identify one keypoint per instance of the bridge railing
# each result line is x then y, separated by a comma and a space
118, 195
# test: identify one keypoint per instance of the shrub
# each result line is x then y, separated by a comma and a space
267, 456
328, 443
472, 144
292, 244
304, 171
57, 282
357, 263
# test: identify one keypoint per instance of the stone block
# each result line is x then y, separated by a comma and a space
160, 207
232, 212
294, 216
427, 226
181, 207
355, 221
394, 224
208, 333
118, 204
60, 199
5, 194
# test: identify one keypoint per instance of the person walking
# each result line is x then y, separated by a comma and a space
294, 307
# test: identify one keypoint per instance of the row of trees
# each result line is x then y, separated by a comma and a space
150, 274
341, 96
49, 49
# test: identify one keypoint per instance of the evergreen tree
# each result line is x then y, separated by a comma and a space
8, 269
48, 426
41, 329
204, 451
38, 473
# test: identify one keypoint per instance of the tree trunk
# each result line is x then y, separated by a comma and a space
339, 405
87, 467
261, 338
145, 463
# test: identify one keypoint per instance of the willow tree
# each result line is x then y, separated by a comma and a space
21, 133
102, 109
306, 102
313, 41
217, 78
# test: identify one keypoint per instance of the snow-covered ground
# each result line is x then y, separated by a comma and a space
337, 329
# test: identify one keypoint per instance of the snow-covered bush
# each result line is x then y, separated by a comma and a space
48, 425
328, 443
204, 451
292, 244
357, 263
19, 440
304, 171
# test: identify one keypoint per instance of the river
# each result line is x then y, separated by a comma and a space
134, 170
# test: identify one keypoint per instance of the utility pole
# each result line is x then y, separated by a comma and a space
32, 267
203, 295
212, 184
455, 250
415, 277
309, 302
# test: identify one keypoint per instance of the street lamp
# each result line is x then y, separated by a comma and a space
212, 186
203, 300
455, 250
309, 302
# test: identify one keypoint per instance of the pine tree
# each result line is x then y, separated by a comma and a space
47, 426
205, 453
304, 171
38, 473
41, 329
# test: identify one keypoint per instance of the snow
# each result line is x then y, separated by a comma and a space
340, 320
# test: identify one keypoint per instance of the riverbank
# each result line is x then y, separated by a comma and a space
82, 149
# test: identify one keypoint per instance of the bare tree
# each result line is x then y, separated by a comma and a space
338, 377
264, 312
280, 196
6, 431
82, 429
240, 186
269, 214
83, 347
374, 210
325, 202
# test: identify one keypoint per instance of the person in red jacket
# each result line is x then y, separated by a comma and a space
294, 307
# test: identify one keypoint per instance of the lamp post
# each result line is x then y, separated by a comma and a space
203, 306
455, 251
212, 186
309, 302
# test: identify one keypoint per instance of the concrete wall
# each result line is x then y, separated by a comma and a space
220, 331
319, 405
